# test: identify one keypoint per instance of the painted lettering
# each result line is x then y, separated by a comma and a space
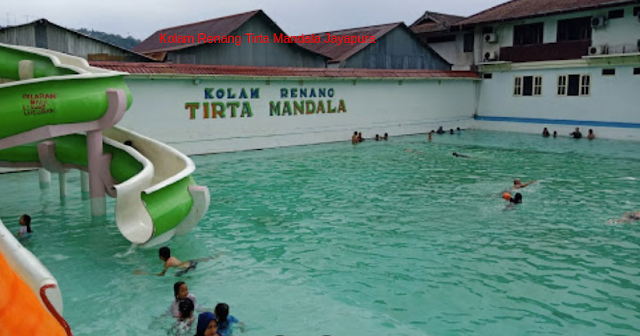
274, 108
218, 110
192, 107
246, 110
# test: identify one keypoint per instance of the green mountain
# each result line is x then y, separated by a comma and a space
124, 42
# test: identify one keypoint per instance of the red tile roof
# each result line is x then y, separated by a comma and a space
339, 52
434, 22
231, 70
519, 9
223, 26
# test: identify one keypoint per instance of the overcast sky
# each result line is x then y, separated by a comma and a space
141, 18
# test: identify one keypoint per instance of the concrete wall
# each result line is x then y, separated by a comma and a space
453, 52
610, 109
372, 106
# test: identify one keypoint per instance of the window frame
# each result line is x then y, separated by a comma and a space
528, 30
584, 85
537, 86
519, 86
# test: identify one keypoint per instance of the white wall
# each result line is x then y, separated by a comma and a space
617, 32
374, 106
612, 99
453, 52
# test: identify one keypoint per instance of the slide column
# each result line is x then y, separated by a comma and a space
96, 186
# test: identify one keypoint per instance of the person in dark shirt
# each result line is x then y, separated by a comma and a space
576, 134
545, 133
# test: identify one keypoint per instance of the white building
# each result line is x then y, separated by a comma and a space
558, 64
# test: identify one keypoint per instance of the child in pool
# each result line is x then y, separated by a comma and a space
207, 325
225, 321
25, 226
180, 293
185, 320
164, 254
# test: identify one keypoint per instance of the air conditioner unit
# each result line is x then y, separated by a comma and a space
490, 56
597, 50
598, 21
490, 38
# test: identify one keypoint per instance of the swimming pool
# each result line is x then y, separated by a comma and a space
337, 239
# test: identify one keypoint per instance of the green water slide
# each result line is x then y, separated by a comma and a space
51, 107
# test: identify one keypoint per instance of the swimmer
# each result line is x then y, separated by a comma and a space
627, 217
207, 325
164, 254
517, 199
461, 155
225, 321
180, 293
25, 226
545, 133
182, 326
517, 184
354, 138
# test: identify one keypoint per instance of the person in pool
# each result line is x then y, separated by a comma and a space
545, 133
180, 293
627, 217
461, 155
517, 199
182, 326
517, 184
25, 226
164, 254
207, 325
225, 321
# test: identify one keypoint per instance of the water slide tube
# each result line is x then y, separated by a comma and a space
30, 300
53, 107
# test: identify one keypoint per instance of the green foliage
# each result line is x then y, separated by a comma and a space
124, 42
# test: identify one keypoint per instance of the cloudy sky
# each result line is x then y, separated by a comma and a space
141, 18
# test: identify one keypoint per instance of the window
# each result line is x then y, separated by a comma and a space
574, 29
517, 86
528, 34
487, 30
487, 76
537, 85
468, 42
562, 85
585, 84
527, 86
574, 85
608, 72
636, 71
636, 10
615, 14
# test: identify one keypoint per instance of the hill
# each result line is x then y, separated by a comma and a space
124, 42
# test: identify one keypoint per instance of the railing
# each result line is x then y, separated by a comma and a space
546, 52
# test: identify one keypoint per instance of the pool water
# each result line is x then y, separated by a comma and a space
382, 238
